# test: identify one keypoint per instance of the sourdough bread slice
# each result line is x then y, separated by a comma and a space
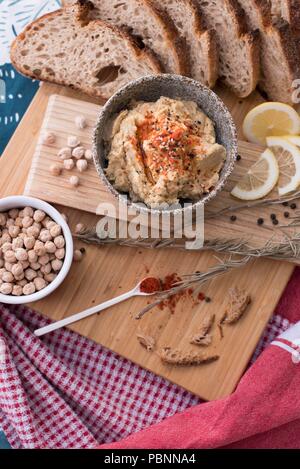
238, 48
200, 43
64, 47
151, 28
279, 58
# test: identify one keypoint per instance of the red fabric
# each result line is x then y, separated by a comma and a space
65, 391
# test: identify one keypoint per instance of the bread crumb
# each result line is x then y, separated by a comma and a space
177, 357
146, 341
237, 304
202, 337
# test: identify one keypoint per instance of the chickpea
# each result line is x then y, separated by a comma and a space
37, 225
6, 247
65, 153
35, 266
2, 270
80, 122
55, 230
17, 243
10, 256
39, 216
20, 277
48, 138
81, 165
5, 238
24, 264
29, 242
7, 277
59, 242
80, 228
77, 256
46, 269
43, 260
56, 265
21, 214
22, 282
45, 221
13, 213
50, 247
21, 254
39, 283
2, 219
17, 270
73, 141
60, 253
45, 235
69, 164
6, 288
28, 212
40, 274
56, 169
17, 290
29, 289
27, 222
74, 181
32, 256
8, 266
78, 153
88, 155
30, 274
19, 222
50, 277
33, 231
39, 248
10, 222
14, 231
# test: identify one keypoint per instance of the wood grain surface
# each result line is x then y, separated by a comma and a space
106, 272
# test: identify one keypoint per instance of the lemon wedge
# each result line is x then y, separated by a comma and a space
288, 159
269, 119
260, 179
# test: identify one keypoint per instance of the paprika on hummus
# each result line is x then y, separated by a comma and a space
164, 151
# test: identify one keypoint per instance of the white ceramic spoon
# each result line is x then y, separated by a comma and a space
89, 312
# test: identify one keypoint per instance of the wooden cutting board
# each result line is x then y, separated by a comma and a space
60, 120
106, 272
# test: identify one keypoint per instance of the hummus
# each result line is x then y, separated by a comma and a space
164, 151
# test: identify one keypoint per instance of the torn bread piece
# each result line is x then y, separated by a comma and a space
64, 47
176, 357
203, 338
238, 302
147, 341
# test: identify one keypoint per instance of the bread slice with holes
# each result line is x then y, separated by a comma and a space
66, 48
150, 27
280, 64
237, 46
200, 43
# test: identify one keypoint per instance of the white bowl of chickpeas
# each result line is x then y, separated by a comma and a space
36, 249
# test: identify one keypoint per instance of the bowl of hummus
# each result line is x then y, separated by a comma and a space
164, 143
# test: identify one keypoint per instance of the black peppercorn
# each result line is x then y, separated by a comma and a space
82, 250
293, 206
286, 214
233, 218
275, 222
207, 299
273, 216
260, 221
238, 158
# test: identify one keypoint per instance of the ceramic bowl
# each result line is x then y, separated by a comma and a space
151, 88
19, 202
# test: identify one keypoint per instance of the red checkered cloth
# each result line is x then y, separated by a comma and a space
65, 391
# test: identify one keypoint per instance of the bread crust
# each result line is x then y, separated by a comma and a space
82, 9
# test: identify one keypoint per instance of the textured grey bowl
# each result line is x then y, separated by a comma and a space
150, 88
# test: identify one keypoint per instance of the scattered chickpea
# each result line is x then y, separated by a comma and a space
21, 254
27, 222
80, 122
56, 265
39, 216
78, 153
50, 247
17, 290
74, 181
77, 256
45, 236
6, 288
82, 165
60, 253
73, 141
39, 283
65, 153
48, 138
69, 164
80, 228
30, 274
88, 155
13, 213
29, 289
17, 243
29, 242
56, 169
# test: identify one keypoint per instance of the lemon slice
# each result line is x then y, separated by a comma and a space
269, 119
260, 179
288, 159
